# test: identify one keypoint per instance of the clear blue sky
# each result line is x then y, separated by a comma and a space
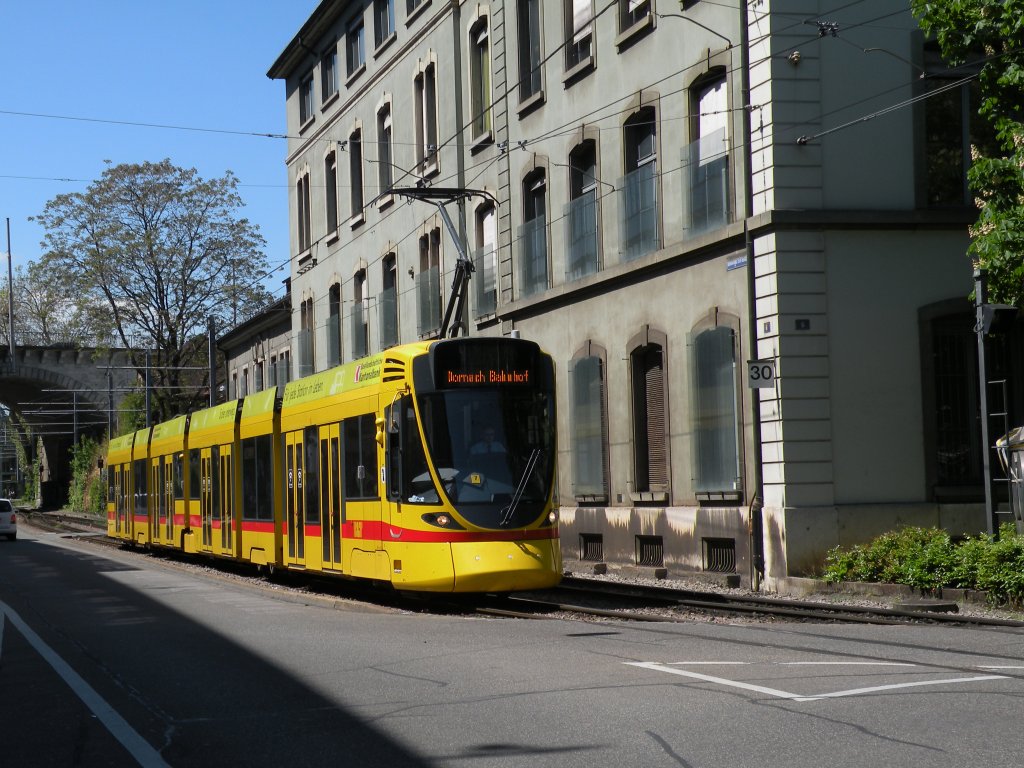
191, 63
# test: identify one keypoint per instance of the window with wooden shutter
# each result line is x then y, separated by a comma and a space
650, 417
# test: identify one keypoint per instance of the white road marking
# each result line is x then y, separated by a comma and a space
137, 746
993, 666
894, 686
711, 679
843, 664
669, 668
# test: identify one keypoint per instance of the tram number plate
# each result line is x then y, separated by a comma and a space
760, 374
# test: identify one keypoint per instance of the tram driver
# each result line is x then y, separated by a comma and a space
487, 443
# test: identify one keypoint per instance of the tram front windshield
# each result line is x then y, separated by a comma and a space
493, 450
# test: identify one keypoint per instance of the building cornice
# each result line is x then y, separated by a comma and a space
304, 43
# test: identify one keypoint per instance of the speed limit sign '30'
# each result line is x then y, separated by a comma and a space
760, 374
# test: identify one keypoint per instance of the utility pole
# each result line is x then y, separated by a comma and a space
10, 299
980, 298
212, 352
149, 390
110, 405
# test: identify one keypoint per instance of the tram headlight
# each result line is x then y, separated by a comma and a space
441, 520
553, 516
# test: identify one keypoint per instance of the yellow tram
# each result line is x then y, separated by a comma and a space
430, 466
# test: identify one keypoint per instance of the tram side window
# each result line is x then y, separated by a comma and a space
110, 482
139, 468
408, 475
194, 475
179, 476
310, 463
360, 457
257, 478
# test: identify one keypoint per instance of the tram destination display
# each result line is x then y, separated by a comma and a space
485, 363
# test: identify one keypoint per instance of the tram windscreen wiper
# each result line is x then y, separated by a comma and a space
531, 464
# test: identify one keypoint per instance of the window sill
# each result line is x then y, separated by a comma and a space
530, 104
305, 262
355, 75
332, 236
710, 498
430, 168
357, 220
305, 126
647, 497
329, 100
634, 33
384, 44
481, 143
385, 201
578, 71
415, 12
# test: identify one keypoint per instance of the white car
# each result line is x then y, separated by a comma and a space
8, 520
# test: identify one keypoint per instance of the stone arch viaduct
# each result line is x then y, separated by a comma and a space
60, 394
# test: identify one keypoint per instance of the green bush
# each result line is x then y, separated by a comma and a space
927, 559
87, 492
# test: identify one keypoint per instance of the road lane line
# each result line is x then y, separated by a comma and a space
798, 697
137, 746
894, 686
843, 664
712, 679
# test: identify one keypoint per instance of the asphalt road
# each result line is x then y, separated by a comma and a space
111, 658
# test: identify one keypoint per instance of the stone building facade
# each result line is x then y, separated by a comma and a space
663, 193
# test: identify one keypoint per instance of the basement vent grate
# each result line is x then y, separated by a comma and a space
720, 555
650, 551
592, 547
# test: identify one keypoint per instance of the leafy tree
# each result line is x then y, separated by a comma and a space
994, 28
161, 249
46, 314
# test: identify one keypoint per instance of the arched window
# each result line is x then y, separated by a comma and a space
331, 191
480, 79
639, 201
589, 423
425, 87
355, 154
581, 212
389, 301
649, 385
334, 326
360, 316
385, 175
428, 282
715, 412
485, 260
307, 362
533, 243
709, 155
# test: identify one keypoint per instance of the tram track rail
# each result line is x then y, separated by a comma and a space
575, 597
633, 602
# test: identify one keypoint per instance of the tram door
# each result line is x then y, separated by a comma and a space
225, 506
120, 499
331, 503
167, 502
155, 511
294, 506
209, 497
